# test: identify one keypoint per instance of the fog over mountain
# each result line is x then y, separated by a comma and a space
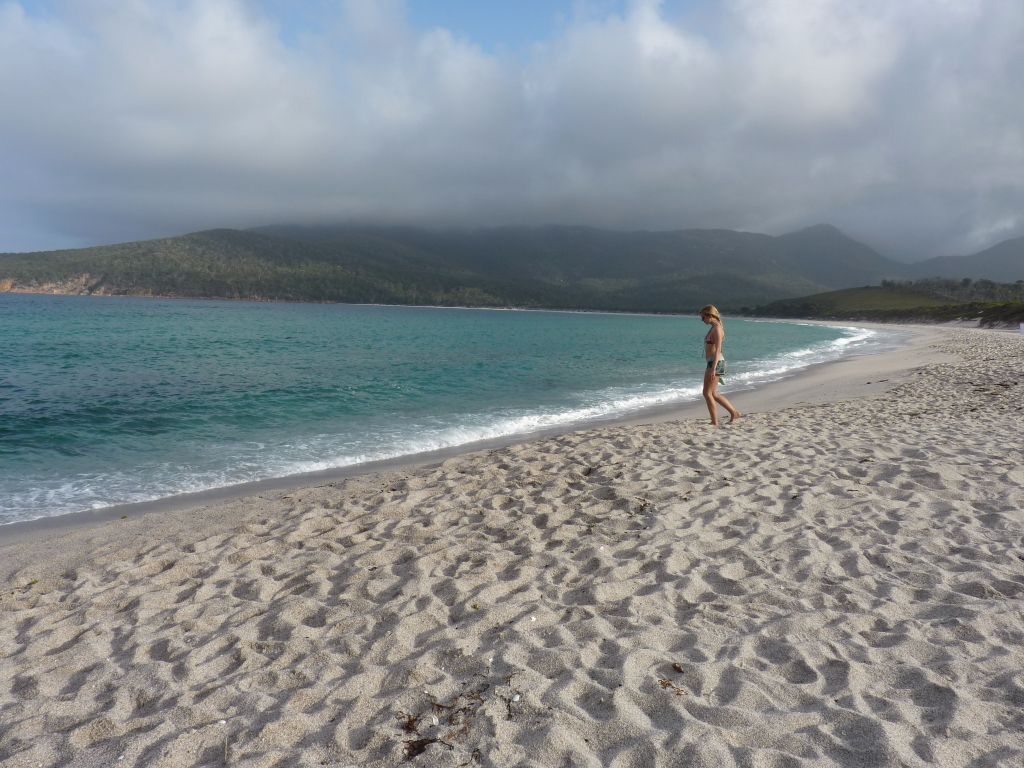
901, 123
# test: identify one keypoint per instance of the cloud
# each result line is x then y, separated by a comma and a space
900, 122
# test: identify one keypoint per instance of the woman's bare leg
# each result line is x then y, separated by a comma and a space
710, 384
714, 398
724, 402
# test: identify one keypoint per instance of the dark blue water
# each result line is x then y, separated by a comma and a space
106, 401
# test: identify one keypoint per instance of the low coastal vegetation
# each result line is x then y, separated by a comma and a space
930, 300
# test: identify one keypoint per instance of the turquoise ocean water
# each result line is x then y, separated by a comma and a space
106, 401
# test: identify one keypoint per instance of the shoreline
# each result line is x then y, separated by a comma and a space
822, 382
773, 391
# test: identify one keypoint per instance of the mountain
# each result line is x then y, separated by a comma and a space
1003, 262
560, 254
557, 266
661, 271
826, 256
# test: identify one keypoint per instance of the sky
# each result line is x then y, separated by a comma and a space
902, 123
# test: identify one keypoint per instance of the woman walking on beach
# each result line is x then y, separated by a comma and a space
716, 365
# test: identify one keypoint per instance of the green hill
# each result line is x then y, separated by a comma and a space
239, 264
923, 300
839, 303
557, 267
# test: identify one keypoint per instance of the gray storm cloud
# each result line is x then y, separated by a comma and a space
900, 122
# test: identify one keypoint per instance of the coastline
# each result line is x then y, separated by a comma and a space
832, 584
822, 382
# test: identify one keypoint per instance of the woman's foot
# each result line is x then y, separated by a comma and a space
735, 417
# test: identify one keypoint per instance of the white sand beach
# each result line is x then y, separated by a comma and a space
836, 580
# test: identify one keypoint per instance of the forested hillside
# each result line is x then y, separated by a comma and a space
556, 267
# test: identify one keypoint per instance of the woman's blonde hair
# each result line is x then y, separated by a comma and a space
710, 310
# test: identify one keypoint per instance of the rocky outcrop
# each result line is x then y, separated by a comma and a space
81, 285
